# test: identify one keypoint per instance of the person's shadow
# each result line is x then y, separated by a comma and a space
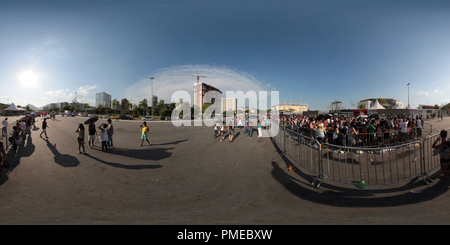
64, 160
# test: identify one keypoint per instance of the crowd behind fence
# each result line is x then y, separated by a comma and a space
360, 164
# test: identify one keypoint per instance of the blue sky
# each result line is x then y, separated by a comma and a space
325, 50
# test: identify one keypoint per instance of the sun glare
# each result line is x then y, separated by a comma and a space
28, 78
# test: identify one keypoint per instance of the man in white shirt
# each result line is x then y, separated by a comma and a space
403, 129
4, 124
419, 128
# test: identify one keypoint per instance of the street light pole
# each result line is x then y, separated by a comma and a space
151, 99
408, 94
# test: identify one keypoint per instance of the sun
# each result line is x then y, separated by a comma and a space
28, 78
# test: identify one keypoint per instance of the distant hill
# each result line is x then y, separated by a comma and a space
34, 108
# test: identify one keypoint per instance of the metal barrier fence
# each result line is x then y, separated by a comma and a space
360, 166
431, 157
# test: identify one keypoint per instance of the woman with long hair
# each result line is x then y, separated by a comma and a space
80, 138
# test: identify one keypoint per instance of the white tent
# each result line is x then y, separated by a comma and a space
376, 106
397, 106
409, 106
13, 107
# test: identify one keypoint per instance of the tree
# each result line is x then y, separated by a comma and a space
143, 104
336, 104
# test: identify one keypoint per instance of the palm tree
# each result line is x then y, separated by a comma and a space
143, 104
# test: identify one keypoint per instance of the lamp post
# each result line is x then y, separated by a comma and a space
408, 94
151, 99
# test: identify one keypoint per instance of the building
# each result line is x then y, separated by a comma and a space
53, 105
161, 102
387, 103
64, 104
154, 101
200, 96
229, 104
103, 99
291, 108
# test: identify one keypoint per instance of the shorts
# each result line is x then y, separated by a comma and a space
144, 137
91, 137
44, 130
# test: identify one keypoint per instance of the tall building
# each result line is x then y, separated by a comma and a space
229, 104
200, 96
154, 101
103, 99
161, 102
64, 104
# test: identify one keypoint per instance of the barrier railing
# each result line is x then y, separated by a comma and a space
385, 165
430, 156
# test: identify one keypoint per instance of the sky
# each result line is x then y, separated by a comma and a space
54, 50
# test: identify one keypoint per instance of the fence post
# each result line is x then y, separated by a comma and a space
284, 143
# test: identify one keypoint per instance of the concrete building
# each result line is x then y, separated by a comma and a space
64, 104
291, 108
229, 104
103, 99
154, 101
200, 96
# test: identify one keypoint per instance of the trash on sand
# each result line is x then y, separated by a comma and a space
359, 183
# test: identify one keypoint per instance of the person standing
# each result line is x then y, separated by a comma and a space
215, 130
104, 136
44, 128
230, 133
80, 138
259, 129
250, 130
444, 148
3, 158
5, 125
144, 133
403, 129
419, 128
110, 132
92, 133
222, 128
23, 128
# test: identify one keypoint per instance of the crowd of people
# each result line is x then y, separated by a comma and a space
106, 131
356, 131
239, 123
21, 129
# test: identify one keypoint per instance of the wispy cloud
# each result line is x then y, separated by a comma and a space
165, 83
83, 94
